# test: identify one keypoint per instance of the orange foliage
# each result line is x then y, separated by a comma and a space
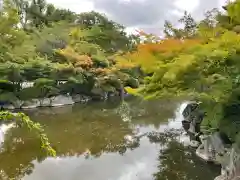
76, 59
149, 55
101, 71
84, 61
124, 63
168, 46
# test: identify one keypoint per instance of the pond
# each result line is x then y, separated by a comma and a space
136, 140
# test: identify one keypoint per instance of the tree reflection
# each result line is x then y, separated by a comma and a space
96, 129
83, 131
17, 154
178, 162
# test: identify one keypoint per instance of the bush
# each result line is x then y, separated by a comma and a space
6, 85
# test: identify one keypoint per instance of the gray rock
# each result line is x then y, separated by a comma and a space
194, 144
45, 102
9, 107
18, 104
34, 103
61, 101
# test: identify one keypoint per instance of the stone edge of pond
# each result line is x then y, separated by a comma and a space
57, 101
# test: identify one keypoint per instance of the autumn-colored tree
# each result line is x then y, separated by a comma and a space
206, 70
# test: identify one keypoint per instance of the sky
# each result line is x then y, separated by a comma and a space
147, 15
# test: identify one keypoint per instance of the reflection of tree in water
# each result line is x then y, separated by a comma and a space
73, 130
177, 162
16, 156
153, 112
71, 133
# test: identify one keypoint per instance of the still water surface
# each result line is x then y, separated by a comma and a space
95, 141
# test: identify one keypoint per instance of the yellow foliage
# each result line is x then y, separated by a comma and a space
181, 64
132, 91
150, 55
76, 59
122, 62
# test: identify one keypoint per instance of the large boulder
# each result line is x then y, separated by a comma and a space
45, 102
61, 100
213, 146
33, 103
18, 104
80, 98
8, 107
230, 165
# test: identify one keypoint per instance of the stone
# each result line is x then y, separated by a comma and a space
77, 98
212, 148
194, 144
192, 118
18, 104
221, 177
204, 151
191, 106
45, 102
34, 103
9, 107
186, 125
61, 100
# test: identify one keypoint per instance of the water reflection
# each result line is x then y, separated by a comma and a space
91, 144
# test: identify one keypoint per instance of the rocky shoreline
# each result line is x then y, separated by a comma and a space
212, 147
56, 101
11, 102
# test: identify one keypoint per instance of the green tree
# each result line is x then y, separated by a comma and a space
104, 32
188, 30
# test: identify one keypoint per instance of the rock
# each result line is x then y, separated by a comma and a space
186, 125
61, 101
204, 150
9, 107
45, 102
221, 177
204, 156
211, 148
18, 104
34, 103
194, 144
191, 106
77, 98
86, 98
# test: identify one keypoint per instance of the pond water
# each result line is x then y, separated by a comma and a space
136, 140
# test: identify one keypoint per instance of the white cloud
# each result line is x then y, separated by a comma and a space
77, 6
187, 5
148, 15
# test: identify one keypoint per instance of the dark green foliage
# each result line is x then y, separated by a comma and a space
7, 86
